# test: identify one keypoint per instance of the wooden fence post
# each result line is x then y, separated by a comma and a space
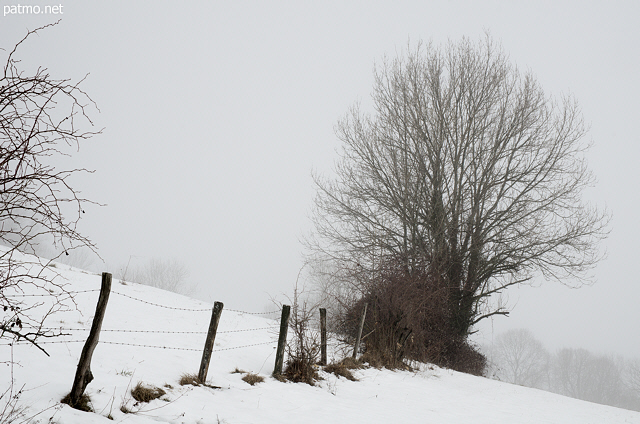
282, 339
323, 336
83, 373
356, 348
208, 344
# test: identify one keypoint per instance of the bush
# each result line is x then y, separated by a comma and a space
408, 318
304, 347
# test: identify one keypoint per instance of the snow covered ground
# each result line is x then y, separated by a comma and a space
430, 395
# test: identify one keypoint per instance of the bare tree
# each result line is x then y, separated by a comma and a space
631, 379
466, 165
580, 374
165, 274
520, 358
41, 118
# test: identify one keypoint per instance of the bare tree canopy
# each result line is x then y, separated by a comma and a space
467, 166
40, 117
520, 358
165, 274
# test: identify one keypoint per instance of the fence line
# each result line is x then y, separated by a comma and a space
83, 373
163, 306
52, 294
193, 309
253, 313
141, 345
153, 331
140, 300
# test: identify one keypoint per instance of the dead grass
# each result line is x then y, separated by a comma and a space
192, 379
301, 371
238, 371
344, 367
384, 361
143, 393
281, 378
252, 379
84, 404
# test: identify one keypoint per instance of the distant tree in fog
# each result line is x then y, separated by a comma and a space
519, 358
582, 375
165, 274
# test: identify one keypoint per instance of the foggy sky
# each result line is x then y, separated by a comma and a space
216, 113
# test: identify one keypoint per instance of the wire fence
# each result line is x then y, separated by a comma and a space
40, 335
61, 329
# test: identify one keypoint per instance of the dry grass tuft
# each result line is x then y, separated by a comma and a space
301, 371
344, 367
84, 404
238, 371
143, 393
192, 379
378, 360
281, 378
252, 379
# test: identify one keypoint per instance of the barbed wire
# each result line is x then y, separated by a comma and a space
140, 345
253, 313
151, 346
240, 347
52, 294
31, 342
162, 306
143, 301
153, 331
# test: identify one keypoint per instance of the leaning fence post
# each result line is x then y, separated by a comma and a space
208, 344
323, 336
282, 339
83, 373
356, 348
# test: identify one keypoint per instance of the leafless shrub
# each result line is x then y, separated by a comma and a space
303, 346
41, 118
408, 318
10, 408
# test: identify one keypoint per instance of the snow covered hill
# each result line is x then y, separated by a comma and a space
159, 336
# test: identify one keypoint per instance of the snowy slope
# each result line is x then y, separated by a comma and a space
432, 395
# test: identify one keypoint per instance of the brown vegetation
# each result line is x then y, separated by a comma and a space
252, 379
143, 393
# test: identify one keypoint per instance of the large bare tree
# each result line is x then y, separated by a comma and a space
464, 165
41, 118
